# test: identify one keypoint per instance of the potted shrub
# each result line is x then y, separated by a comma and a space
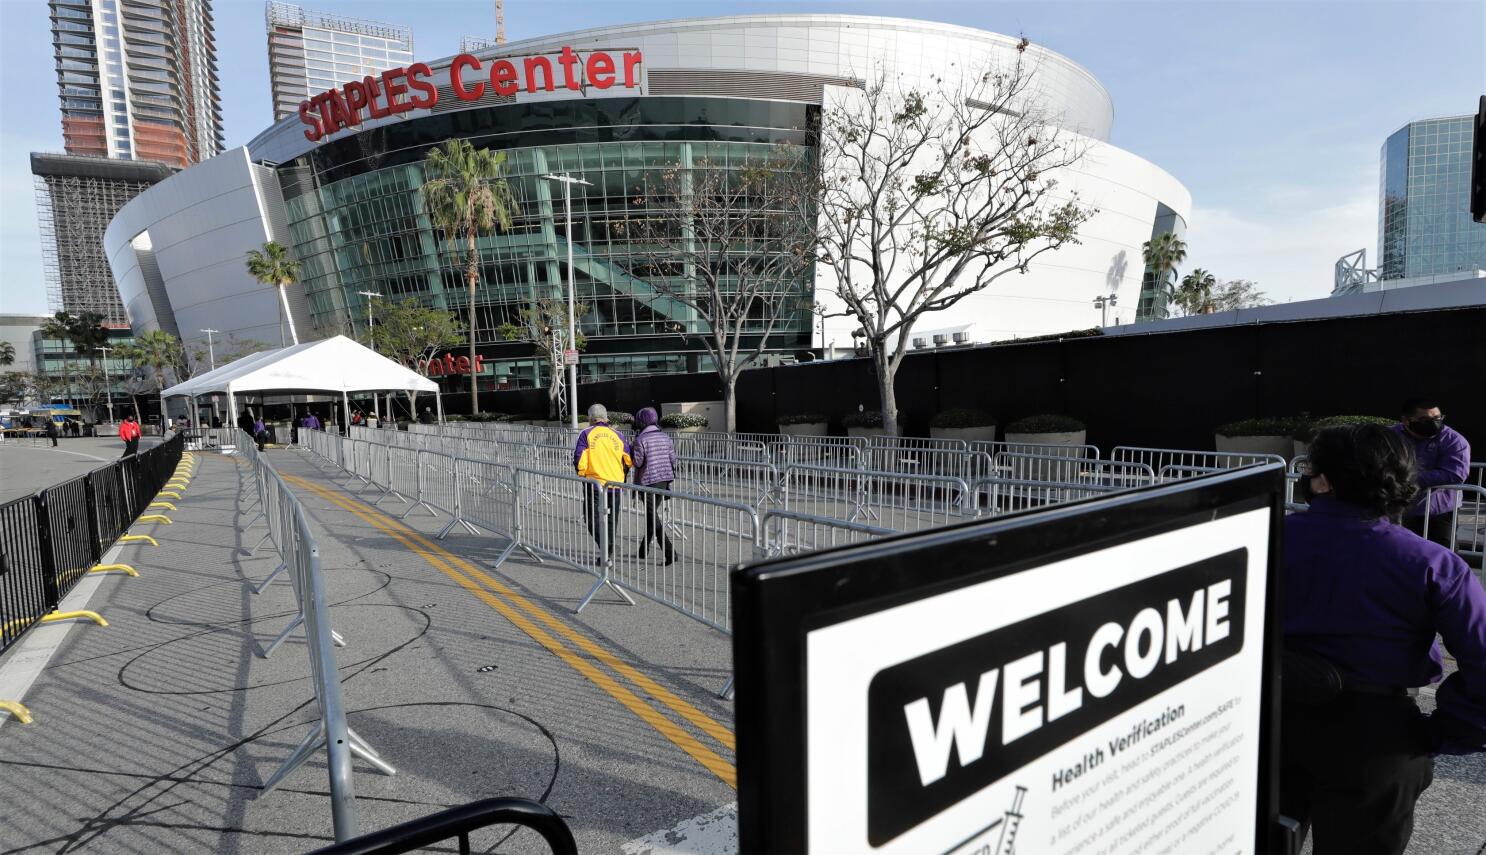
1047, 429
619, 418
964, 423
1306, 430
1270, 435
803, 424
683, 422
867, 423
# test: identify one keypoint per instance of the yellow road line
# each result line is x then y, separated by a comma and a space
703, 722
442, 560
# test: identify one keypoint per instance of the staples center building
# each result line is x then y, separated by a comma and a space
338, 184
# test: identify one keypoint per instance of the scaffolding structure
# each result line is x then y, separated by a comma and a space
76, 197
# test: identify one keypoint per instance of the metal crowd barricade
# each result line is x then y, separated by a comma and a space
402, 474
793, 533
995, 448
1185, 463
1019, 466
688, 544
298, 549
840, 451
1293, 473
484, 494
996, 496
548, 509
1472, 500
210, 439
742, 481
51, 539
888, 500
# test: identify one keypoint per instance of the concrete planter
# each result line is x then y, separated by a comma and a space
1069, 437
689, 430
866, 431
804, 429
982, 433
1284, 446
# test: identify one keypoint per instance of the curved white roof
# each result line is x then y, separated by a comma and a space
828, 46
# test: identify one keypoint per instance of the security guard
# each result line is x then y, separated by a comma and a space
1364, 599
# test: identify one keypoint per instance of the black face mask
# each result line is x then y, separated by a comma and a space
1425, 426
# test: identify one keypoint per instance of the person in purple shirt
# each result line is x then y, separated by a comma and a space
655, 466
1444, 457
1364, 599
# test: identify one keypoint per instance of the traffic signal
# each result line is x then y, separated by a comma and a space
1478, 165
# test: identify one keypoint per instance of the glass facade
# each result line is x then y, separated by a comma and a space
1424, 221
1155, 295
357, 224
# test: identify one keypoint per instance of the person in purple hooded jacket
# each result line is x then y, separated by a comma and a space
1444, 457
655, 466
1364, 599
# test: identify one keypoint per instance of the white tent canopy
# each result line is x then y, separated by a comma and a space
334, 365
330, 365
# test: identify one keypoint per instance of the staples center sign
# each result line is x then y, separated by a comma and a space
398, 90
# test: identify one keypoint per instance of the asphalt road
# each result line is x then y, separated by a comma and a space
29, 465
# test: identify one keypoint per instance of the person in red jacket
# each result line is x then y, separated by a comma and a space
129, 433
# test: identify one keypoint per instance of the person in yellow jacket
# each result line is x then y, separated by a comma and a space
602, 456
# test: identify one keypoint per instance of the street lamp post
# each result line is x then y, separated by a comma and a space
107, 384
211, 355
371, 332
567, 199
1102, 303
211, 352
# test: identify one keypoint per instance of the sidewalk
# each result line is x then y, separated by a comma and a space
154, 734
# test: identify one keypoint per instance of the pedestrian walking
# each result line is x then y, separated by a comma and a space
129, 432
427, 417
602, 456
1443, 457
52, 431
260, 433
655, 466
1364, 599
312, 421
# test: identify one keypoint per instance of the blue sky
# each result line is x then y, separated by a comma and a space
1271, 113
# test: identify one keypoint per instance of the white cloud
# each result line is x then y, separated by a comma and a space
1291, 251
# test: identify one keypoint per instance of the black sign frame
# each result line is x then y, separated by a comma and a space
777, 602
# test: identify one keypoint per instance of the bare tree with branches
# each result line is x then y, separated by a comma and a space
729, 252
929, 195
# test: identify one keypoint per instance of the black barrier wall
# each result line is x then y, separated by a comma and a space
1166, 389
49, 540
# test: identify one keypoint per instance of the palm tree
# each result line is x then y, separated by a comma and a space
1162, 254
156, 349
1195, 296
465, 194
274, 267
7, 353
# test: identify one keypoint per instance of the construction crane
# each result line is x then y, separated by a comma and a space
500, 22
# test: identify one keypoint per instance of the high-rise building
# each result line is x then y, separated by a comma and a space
138, 79
76, 197
1424, 220
310, 52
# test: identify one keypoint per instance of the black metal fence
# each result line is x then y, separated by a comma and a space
49, 540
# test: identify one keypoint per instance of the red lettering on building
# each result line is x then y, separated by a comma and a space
381, 95
450, 364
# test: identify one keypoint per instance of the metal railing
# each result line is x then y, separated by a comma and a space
289, 529
51, 539
457, 823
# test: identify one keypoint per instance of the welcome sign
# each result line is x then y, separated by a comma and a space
1034, 684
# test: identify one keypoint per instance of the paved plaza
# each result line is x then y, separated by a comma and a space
156, 733
27, 465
